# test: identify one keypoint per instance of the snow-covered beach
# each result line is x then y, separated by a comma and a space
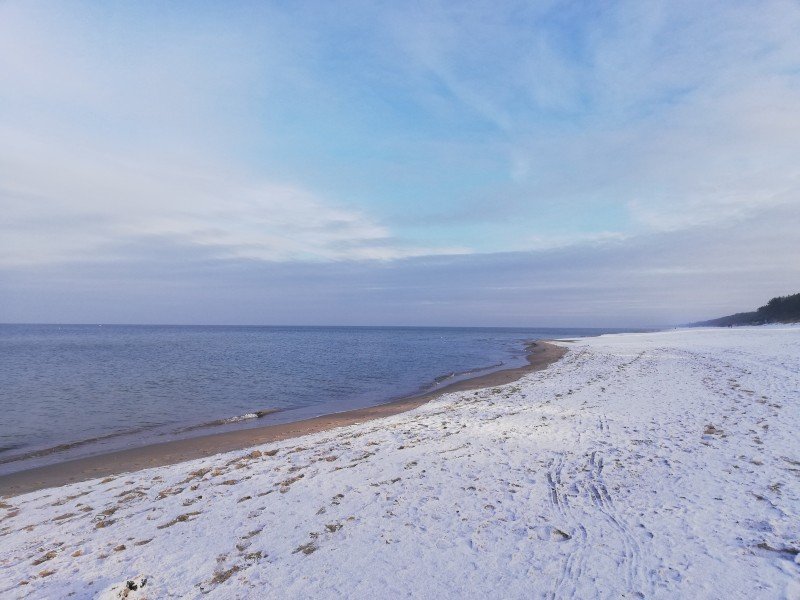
640, 465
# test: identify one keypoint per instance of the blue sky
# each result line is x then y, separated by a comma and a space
486, 163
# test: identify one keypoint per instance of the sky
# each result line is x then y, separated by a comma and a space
538, 163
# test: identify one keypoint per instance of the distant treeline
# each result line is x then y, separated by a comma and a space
783, 309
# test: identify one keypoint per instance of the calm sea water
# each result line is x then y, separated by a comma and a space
85, 389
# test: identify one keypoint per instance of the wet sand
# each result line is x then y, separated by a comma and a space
541, 354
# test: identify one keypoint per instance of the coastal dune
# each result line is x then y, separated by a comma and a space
638, 465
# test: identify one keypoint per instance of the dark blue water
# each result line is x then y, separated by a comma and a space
107, 387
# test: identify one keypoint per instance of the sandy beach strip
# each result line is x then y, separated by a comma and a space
540, 355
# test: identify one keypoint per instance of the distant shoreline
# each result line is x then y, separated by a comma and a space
540, 355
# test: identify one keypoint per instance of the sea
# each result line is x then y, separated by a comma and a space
68, 391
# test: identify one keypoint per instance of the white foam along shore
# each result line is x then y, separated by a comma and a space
655, 465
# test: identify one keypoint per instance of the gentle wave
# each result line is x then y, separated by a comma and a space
245, 417
77, 444
65, 447
443, 378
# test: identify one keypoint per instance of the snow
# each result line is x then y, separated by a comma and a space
655, 465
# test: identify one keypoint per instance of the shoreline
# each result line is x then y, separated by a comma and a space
541, 354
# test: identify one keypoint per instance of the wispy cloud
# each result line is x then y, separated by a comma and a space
667, 109
60, 207
70, 187
538, 138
